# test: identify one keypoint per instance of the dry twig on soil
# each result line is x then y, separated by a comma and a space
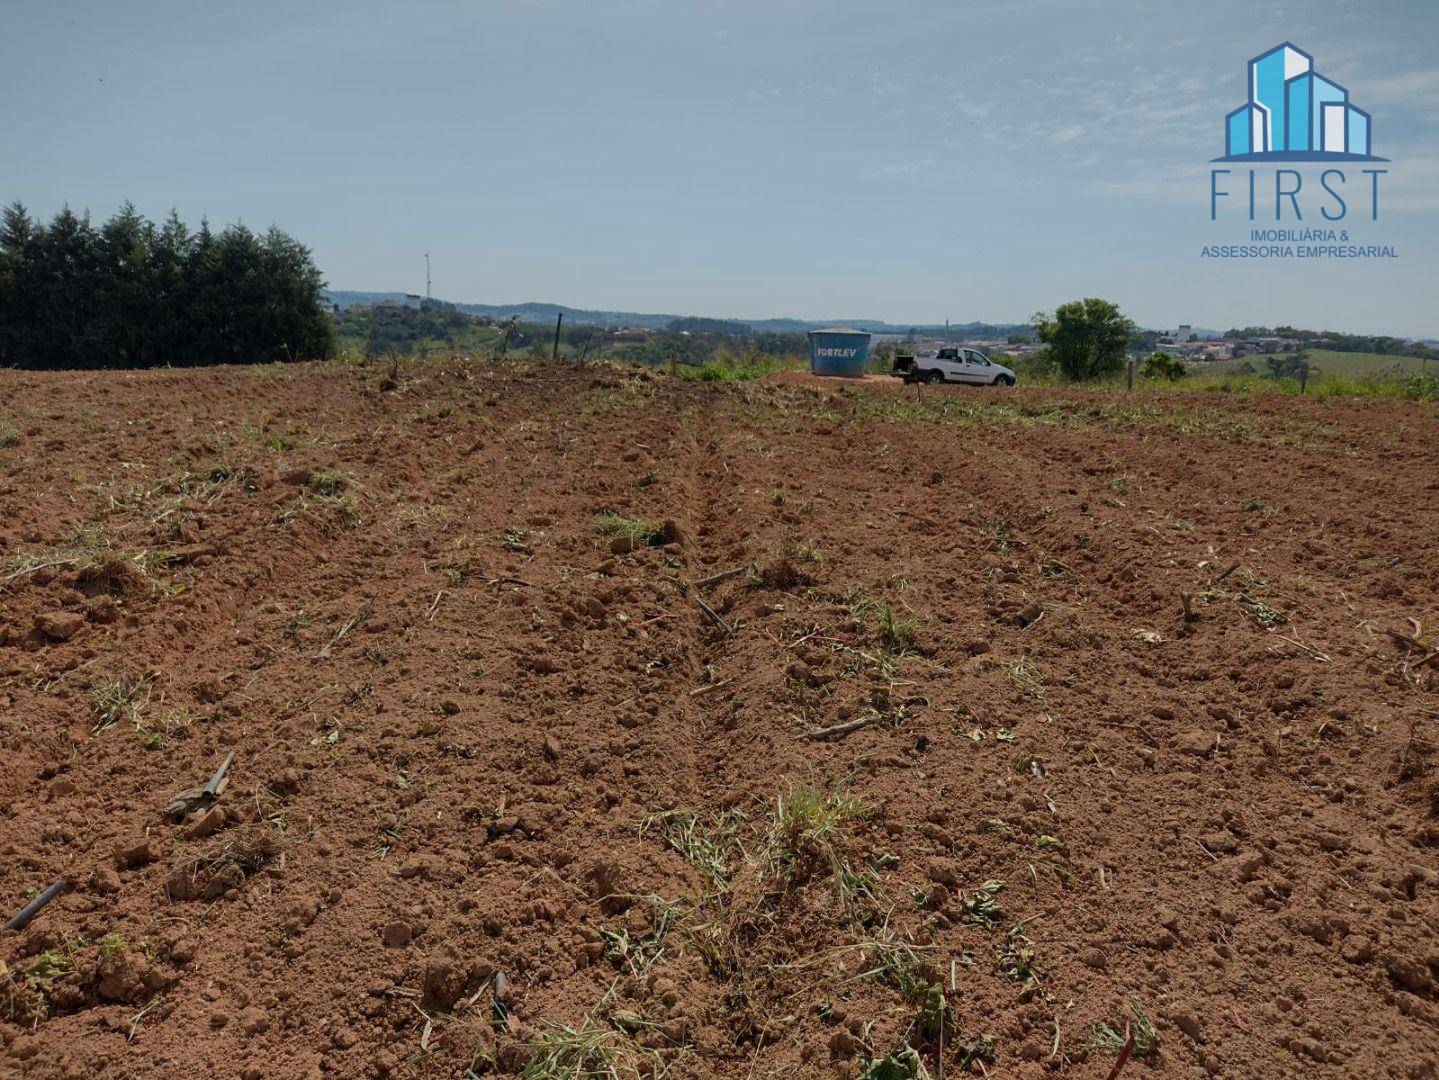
366, 609
835, 731
724, 575
715, 617
21, 919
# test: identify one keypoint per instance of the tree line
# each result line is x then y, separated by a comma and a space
131, 293
694, 324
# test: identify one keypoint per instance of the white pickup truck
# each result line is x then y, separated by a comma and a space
952, 364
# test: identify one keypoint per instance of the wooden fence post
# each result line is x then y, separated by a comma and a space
555, 352
1303, 376
1129, 376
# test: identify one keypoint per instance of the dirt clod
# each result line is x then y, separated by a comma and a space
135, 854
397, 934
1195, 743
208, 823
104, 880
254, 1020
59, 625
1094, 958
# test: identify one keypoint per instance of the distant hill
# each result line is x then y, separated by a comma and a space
532, 311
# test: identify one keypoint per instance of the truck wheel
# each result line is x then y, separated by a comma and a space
1004, 380
934, 376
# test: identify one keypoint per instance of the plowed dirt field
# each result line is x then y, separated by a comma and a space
1027, 718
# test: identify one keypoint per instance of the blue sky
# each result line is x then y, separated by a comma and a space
909, 162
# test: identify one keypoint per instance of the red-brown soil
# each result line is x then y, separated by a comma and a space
470, 738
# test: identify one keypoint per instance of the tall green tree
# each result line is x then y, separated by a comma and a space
170, 250
19, 237
128, 299
297, 323
65, 296
1086, 338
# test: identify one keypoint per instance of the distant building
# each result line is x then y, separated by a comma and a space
413, 302
1184, 333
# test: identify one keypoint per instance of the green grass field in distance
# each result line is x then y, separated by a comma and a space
1329, 362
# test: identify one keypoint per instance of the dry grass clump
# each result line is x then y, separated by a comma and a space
1107, 1038
785, 569
328, 505
112, 574
587, 1052
710, 850
119, 699
637, 531
329, 482
22, 989
911, 968
98, 566
224, 865
806, 827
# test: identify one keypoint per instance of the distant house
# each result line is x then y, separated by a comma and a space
413, 302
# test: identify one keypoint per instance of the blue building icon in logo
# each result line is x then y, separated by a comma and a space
1295, 114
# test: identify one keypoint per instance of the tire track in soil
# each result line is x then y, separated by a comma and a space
716, 765
710, 482
694, 518
696, 454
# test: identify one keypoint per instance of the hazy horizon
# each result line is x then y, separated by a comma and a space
753, 161
831, 317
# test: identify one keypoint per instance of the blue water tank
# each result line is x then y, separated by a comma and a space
839, 350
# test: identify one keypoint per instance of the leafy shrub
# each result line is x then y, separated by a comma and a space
1160, 365
1285, 367
1420, 388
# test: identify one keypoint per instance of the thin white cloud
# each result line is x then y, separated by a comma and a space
1418, 88
1178, 184
1411, 184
